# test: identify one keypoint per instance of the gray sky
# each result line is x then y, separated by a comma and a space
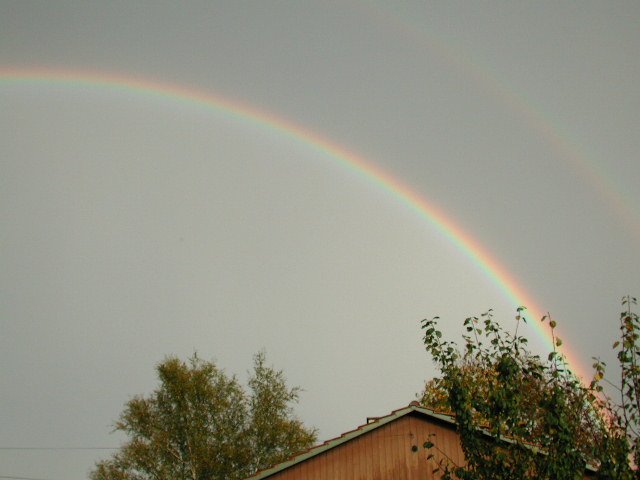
137, 226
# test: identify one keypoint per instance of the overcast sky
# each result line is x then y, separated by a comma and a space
137, 226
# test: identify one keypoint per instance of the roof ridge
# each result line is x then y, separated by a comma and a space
377, 422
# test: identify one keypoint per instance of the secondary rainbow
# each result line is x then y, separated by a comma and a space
588, 169
446, 226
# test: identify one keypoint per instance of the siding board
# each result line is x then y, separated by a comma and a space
381, 453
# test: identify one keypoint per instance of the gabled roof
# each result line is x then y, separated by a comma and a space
376, 423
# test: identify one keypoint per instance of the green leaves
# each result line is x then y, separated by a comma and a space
201, 424
496, 385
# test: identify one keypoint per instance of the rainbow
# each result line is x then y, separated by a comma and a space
382, 179
594, 175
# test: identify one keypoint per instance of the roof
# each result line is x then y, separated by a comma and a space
375, 423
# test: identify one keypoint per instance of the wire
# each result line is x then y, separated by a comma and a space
58, 448
20, 478
11, 477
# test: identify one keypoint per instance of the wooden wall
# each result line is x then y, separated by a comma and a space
383, 454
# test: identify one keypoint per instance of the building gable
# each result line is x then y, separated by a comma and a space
387, 448
391, 447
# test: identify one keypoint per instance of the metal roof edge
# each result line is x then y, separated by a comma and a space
350, 435
368, 427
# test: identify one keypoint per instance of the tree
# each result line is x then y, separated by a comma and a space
481, 380
623, 409
520, 416
201, 424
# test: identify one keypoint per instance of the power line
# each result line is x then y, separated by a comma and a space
58, 448
20, 478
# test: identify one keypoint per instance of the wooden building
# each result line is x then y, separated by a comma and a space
385, 448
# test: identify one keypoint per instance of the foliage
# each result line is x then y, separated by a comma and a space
623, 409
273, 432
201, 424
520, 416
